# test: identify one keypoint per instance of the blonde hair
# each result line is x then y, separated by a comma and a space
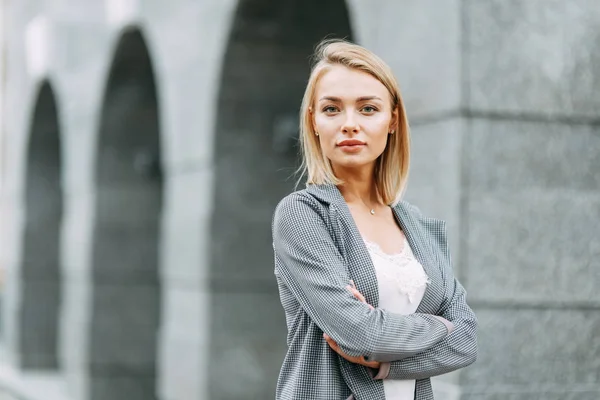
391, 168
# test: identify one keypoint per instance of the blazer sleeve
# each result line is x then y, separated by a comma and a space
309, 263
457, 350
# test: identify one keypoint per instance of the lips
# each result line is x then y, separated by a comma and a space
351, 146
351, 143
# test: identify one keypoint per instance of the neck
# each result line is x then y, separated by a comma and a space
359, 186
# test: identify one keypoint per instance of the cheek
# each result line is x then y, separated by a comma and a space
379, 144
379, 132
324, 124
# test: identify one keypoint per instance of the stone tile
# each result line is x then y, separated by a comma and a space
536, 347
426, 61
124, 326
186, 227
511, 155
128, 204
183, 367
444, 390
186, 194
534, 245
189, 91
38, 330
74, 326
184, 346
122, 387
40, 256
240, 236
248, 335
126, 254
435, 176
533, 203
186, 252
532, 56
186, 309
535, 393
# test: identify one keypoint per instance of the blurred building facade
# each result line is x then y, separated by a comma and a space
148, 142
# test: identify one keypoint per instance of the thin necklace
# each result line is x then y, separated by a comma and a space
372, 210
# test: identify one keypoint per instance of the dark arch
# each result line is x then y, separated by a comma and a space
40, 271
129, 196
264, 74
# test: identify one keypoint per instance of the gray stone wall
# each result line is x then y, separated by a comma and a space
162, 247
512, 164
533, 186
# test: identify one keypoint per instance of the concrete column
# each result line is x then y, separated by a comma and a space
83, 55
533, 196
188, 62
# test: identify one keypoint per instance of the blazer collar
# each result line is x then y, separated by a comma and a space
327, 193
417, 237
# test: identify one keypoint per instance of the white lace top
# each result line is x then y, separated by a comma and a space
401, 281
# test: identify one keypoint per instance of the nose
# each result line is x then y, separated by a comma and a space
350, 125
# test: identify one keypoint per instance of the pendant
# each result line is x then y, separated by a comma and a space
372, 211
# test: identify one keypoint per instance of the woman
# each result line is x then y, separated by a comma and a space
372, 307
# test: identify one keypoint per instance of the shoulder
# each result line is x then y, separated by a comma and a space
298, 207
433, 228
411, 208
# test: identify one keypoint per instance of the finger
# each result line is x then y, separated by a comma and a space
358, 295
354, 292
361, 360
336, 348
330, 341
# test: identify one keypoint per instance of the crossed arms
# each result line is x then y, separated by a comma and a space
416, 345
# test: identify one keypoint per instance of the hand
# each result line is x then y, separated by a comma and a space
357, 294
355, 360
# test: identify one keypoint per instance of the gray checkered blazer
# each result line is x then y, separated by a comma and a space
318, 250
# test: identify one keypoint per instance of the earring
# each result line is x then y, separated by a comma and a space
392, 132
317, 133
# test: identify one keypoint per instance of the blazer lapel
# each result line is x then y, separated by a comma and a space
420, 244
359, 260
354, 249
352, 245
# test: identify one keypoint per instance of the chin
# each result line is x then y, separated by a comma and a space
352, 162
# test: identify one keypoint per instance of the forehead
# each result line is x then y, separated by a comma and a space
347, 83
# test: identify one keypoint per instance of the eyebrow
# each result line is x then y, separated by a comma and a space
337, 99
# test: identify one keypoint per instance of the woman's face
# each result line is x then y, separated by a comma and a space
353, 116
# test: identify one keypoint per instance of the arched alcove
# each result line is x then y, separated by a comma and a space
129, 196
265, 69
40, 272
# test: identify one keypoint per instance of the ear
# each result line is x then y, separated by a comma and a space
394, 122
312, 118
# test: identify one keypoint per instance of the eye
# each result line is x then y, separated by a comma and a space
368, 109
330, 109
